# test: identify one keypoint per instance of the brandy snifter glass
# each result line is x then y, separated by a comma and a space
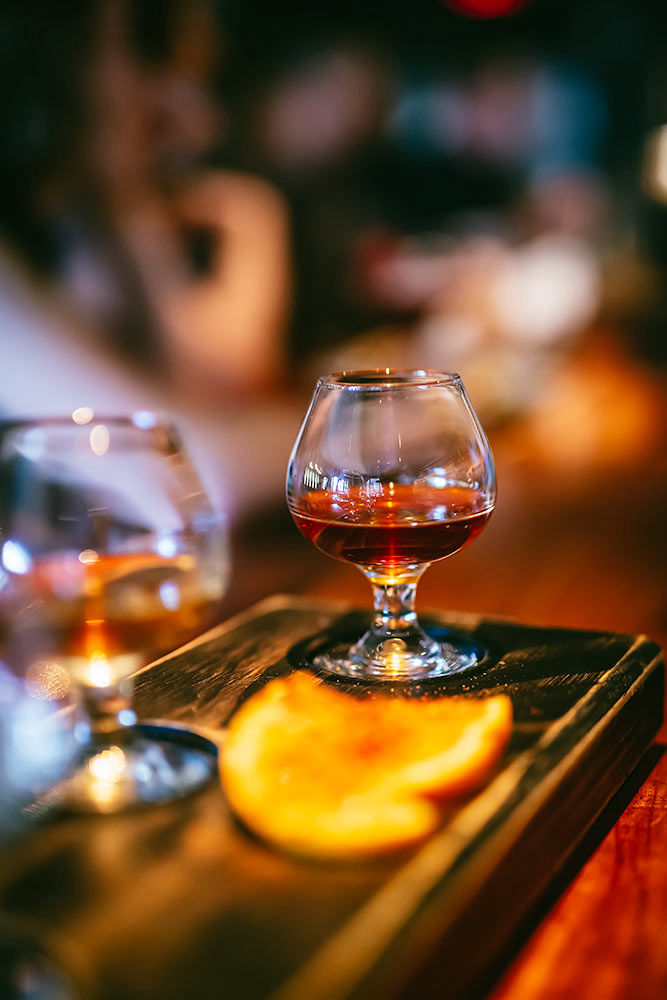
110, 554
392, 471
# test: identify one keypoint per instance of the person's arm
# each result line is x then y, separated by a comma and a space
50, 368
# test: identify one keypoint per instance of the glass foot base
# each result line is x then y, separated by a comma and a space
155, 765
397, 660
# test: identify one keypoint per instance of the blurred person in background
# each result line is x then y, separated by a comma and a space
418, 157
510, 275
132, 275
211, 245
459, 185
312, 115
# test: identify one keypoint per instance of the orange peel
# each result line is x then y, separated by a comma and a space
323, 773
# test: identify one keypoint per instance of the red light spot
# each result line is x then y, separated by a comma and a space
485, 8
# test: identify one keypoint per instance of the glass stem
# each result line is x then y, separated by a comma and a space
395, 646
105, 713
394, 605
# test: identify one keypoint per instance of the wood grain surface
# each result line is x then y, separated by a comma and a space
606, 934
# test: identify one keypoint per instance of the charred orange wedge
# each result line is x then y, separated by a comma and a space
323, 773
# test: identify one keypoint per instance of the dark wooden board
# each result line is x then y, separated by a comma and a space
178, 901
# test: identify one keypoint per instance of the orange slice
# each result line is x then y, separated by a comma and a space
322, 773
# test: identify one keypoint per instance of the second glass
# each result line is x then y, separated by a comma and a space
110, 554
391, 471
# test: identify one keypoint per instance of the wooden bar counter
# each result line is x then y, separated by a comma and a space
577, 541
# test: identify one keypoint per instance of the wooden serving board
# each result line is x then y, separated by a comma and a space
179, 902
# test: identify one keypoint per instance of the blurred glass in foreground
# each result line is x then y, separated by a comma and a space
113, 555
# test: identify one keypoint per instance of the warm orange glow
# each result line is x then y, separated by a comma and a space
106, 774
101, 674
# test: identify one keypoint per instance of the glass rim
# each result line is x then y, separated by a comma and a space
139, 420
380, 379
134, 430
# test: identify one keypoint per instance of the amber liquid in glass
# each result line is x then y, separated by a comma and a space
392, 526
119, 610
